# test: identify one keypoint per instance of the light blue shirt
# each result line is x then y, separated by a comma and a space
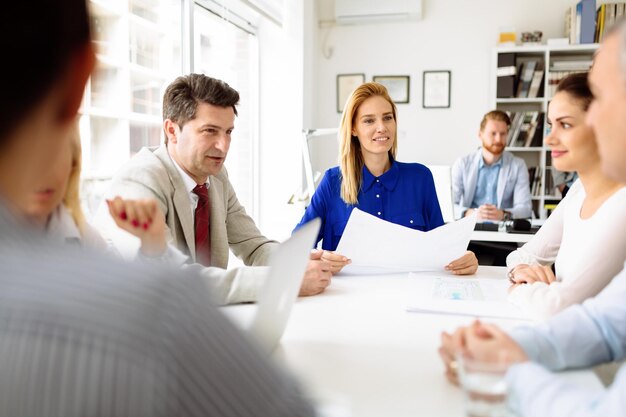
487, 183
581, 336
512, 188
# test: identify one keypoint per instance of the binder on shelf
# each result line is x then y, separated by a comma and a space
506, 75
587, 20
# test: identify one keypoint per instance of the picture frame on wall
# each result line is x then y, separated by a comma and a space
436, 89
398, 86
346, 83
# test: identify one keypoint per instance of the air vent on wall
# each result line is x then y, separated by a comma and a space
366, 11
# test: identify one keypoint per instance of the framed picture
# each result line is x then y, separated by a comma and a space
346, 83
436, 89
397, 86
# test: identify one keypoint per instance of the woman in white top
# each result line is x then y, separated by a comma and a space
585, 236
54, 208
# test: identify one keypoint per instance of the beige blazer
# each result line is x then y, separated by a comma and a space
152, 174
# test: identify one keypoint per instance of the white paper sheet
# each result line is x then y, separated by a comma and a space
376, 245
476, 297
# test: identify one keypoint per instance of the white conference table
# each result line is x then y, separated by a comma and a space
357, 351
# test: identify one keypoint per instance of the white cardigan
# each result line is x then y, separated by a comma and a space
587, 254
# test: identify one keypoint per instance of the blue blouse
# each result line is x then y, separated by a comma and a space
404, 195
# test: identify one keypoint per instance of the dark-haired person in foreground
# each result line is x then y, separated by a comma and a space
82, 335
187, 178
581, 335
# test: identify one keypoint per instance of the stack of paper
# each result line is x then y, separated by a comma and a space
376, 246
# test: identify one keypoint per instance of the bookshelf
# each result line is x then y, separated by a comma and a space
523, 81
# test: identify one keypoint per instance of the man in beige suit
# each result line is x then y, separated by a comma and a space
199, 114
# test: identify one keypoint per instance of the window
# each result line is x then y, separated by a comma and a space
228, 52
139, 51
138, 46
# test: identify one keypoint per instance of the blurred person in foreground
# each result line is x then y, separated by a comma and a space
84, 335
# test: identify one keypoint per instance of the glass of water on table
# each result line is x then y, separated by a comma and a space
484, 387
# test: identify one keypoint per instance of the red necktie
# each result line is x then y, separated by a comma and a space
201, 223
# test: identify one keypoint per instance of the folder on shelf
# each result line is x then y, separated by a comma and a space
507, 70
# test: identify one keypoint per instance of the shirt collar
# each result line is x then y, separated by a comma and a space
389, 179
481, 162
61, 225
189, 182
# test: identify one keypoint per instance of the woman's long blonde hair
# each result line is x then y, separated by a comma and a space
351, 158
71, 199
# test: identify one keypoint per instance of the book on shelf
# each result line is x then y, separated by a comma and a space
536, 82
506, 74
570, 25
535, 133
600, 14
577, 64
536, 187
534, 180
525, 78
555, 78
549, 188
530, 119
531, 176
620, 9
606, 16
516, 121
526, 129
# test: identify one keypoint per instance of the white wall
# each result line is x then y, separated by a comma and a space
281, 92
455, 35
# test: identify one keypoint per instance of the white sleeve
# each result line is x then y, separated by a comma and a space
544, 246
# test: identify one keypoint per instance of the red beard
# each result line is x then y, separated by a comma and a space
495, 149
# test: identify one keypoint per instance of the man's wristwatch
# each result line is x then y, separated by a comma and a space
506, 215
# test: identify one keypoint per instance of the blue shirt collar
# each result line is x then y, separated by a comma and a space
481, 162
389, 179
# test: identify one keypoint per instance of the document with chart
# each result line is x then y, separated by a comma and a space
476, 297
377, 246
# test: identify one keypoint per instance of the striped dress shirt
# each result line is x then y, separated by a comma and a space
84, 335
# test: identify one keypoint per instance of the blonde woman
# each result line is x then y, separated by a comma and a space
370, 178
54, 208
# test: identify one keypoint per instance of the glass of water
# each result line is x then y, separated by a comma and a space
484, 388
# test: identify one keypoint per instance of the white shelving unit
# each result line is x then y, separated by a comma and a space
538, 156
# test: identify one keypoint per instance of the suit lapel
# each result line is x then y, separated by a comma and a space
473, 178
181, 201
219, 235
